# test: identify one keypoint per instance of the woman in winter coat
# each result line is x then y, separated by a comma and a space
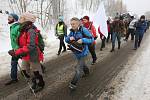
28, 47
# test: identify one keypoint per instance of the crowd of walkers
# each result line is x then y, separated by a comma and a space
27, 43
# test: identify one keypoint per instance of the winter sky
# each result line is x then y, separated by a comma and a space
137, 6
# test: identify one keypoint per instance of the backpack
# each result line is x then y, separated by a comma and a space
84, 35
41, 43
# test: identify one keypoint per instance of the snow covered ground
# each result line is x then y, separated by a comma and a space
132, 83
137, 85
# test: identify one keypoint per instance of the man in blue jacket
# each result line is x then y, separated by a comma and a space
141, 26
81, 37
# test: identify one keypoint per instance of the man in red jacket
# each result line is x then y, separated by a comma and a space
89, 25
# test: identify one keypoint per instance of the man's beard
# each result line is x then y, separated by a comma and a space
10, 22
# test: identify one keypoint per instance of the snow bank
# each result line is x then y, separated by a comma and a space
137, 85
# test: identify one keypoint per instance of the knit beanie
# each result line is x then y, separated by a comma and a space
15, 16
60, 18
27, 17
86, 17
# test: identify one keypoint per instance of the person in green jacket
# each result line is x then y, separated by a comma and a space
14, 33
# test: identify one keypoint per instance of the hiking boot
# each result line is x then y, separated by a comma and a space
64, 51
38, 89
94, 61
134, 48
72, 86
112, 50
101, 49
11, 82
38, 79
125, 39
58, 53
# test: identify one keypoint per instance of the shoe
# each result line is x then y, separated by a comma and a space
112, 50
72, 86
11, 82
64, 51
135, 49
125, 39
94, 61
38, 89
58, 53
101, 49
37, 82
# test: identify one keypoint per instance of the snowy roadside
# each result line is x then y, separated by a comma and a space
133, 82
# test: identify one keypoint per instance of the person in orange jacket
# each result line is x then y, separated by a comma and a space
89, 25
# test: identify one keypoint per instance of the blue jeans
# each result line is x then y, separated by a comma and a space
114, 36
80, 68
14, 63
138, 39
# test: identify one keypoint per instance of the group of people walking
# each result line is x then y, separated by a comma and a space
27, 46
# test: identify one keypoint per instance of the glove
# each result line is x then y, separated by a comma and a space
21, 55
95, 37
12, 53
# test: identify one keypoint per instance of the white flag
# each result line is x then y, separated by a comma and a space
100, 19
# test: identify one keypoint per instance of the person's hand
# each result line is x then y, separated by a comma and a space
80, 41
72, 38
12, 53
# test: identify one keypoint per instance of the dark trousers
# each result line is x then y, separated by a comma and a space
61, 44
103, 43
132, 32
92, 51
14, 69
138, 39
109, 36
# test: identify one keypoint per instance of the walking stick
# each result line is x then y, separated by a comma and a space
27, 81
